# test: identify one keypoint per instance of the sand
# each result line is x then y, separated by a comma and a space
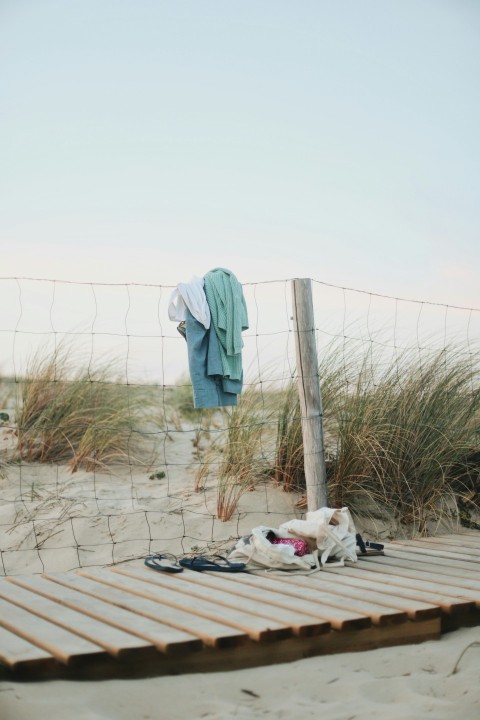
412, 681
52, 520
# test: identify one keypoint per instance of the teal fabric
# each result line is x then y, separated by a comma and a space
210, 388
229, 317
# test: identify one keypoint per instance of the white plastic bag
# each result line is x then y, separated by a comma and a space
258, 552
333, 532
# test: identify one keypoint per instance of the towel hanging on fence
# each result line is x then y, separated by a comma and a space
210, 387
229, 317
189, 296
214, 347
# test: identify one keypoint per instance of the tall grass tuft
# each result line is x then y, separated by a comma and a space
289, 468
238, 453
82, 418
289, 465
243, 464
402, 435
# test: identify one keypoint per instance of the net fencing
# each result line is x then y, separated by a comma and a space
103, 458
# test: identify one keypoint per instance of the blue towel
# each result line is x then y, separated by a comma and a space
210, 387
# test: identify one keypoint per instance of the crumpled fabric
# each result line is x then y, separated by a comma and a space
330, 535
229, 317
210, 387
190, 296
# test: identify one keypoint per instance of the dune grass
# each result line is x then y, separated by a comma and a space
404, 434
243, 463
79, 417
288, 466
237, 458
401, 435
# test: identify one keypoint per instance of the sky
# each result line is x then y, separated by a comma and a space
148, 141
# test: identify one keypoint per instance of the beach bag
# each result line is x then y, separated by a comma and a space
331, 531
258, 552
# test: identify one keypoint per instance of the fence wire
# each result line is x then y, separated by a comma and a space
103, 458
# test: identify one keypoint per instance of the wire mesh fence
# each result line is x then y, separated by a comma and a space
104, 459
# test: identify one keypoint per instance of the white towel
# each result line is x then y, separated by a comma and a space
189, 295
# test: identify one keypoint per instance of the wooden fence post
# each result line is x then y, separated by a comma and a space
309, 392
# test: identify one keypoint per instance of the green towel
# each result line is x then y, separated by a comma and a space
229, 317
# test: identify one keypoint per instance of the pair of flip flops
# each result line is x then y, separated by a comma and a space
366, 547
166, 562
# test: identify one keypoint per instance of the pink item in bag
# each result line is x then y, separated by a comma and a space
301, 546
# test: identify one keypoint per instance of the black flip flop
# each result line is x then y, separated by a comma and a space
368, 548
164, 562
203, 564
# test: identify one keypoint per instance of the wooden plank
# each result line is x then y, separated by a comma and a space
55, 640
458, 567
299, 648
437, 574
164, 638
116, 642
389, 576
256, 654
439, 551
312, 588
316, 600
338, 617
378, 602
211, 633
376, 637
298, 618
452, 541
430, 581
41, 617
17, 653
409, 596
255, 627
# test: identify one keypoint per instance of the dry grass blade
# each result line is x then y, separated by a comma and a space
405, 435
80, 417
242, 459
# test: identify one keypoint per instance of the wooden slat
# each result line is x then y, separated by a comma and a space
116, 642
447, 567
339, 618
329, 598
17, 653
164, 638
396, 593
256, 628
422, 571
55, 640
299, 648
211, 633
453, 541
390, 576
340, 611
439, 551
378, 602
70, 620
428, 581
299, 618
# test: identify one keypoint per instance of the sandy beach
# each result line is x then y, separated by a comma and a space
54, 521
430, 680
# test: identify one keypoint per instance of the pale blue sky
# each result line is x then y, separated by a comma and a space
149, 140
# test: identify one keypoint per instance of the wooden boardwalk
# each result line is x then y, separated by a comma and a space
130, 621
